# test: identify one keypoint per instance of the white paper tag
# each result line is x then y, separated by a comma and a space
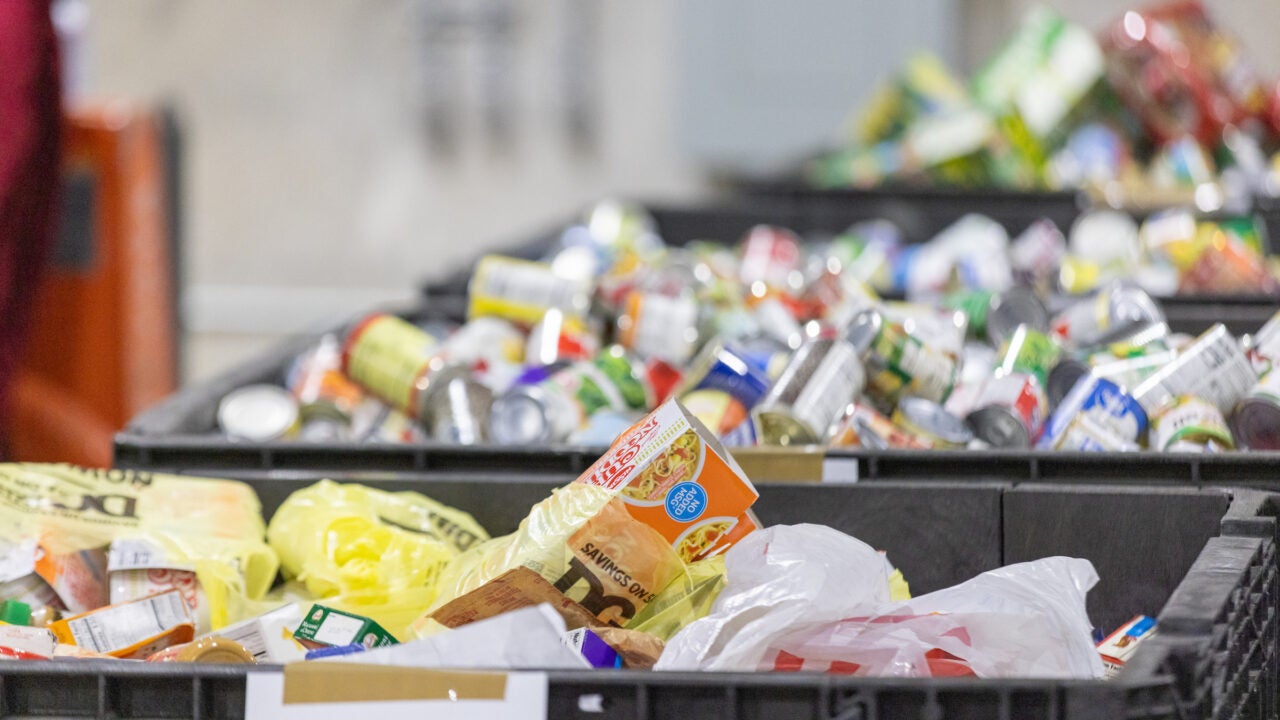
525, 699
842, 470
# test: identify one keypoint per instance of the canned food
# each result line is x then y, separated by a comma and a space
1191, 420
552, 409
813, 393
316, 379
662, 378
1106, 405
1064, 376
213, 649
1263, 347
929, 421
1255, 424
1036, 255
391, 359
1213, 368
977, 363
660, 326
1085, 434
456, 407
1010, 411
900, 363
864, 426
722, 367
770, 258
778, 323
557, 338
1112, 312
1014, 307
523, 291
944, 329
975, 304
1029, 351
259, 413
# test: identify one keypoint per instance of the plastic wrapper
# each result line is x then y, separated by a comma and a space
211, 527
370, 552
584, 542
810, 598
684, 600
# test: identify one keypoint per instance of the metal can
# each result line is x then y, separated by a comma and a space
813, 393
1189, 419
391, 359
1114, 311
1037, 253
1010, 411
944, 328
777, 322
212, 649
975, 304
259, 413
456, 407
977, 363
326, 397
1263, 347
899, 363
864, 426
1064, 376
1213, 368
1085, 434
1029, 351
1016, 306
770, 258
928, 420
1255, 424
1105, 404
523, 291
660, 326
558, 338
663, 379
550, 410
722, 367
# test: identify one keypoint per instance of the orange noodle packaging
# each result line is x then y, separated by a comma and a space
675, 476
612, 540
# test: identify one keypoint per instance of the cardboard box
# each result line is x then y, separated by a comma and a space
324, 626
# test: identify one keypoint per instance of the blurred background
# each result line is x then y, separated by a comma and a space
336, 153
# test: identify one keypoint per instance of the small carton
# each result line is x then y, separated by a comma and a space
325, 626
676, 477
1120, 645
136, 629
269, 637
33, 641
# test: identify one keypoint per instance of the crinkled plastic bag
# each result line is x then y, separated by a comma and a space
782, 579
1025, 620
370, 552
211, 526
550, 541
684, 600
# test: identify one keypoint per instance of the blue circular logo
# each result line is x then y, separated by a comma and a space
686, 501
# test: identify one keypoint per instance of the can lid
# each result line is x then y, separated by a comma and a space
1255, 424
519, 418
998, 427
258, 413
864, 327
1016, 306
934, 419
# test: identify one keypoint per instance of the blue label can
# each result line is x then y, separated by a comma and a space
1103, 402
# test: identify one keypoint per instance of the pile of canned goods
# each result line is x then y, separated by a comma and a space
781, 342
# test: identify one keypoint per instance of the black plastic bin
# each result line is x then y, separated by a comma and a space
1207, 557
921, 215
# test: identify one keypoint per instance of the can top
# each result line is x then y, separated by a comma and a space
1016, 306
864, 328
520, 417
258, 413
934, 419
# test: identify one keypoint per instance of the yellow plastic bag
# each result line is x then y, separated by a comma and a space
370, 552
583, 541
213, 527
686, 599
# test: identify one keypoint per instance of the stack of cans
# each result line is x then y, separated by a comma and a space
782, 342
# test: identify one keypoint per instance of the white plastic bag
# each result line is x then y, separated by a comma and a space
1024, 620
782, 579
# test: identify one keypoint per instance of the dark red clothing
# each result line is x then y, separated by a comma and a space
30, 139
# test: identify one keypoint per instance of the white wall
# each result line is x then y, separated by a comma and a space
312, 189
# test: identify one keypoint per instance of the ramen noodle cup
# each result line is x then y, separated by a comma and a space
675, 476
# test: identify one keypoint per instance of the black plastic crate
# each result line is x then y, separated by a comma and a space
1206, 556
920, 214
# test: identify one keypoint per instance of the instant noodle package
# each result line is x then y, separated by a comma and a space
666, 494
